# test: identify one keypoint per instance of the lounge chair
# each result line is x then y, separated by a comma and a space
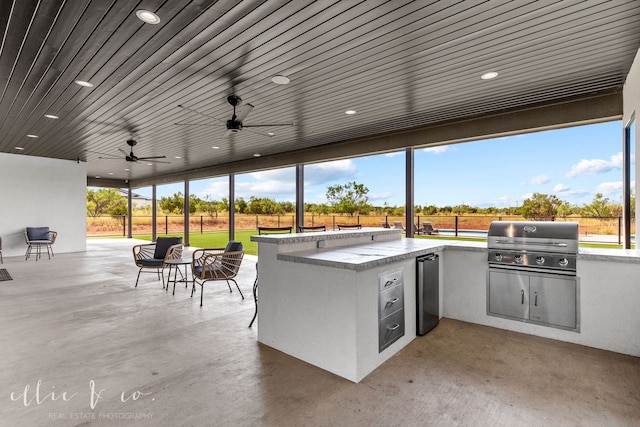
312, 228
427, 227
398, 225
417, 230
349, 226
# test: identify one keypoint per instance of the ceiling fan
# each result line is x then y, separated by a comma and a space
236, 123
131, 157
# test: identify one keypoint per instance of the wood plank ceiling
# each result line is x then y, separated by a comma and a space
399, 64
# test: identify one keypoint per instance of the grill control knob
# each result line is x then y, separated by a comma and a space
539, 260
518, 258
498, 257
563, 262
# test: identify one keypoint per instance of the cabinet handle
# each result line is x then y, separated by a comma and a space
390, 303
393, 327
522, 297
535, 299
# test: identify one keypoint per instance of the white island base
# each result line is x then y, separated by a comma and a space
321, 304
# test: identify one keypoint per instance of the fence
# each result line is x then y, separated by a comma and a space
603, 230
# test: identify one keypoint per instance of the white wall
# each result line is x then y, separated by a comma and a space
631, 106
42, 192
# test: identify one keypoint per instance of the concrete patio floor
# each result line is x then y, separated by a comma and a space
81, 346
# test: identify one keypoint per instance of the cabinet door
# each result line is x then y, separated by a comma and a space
509, 294
553, 300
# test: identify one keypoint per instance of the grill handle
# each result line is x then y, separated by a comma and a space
559, 245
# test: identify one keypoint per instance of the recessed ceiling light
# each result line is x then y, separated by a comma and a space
149, 164
84, 83
110, 173
19, 148
350, 112
127, 169
215, 148
147, 16
270, 133
177, 157
490, 75
97, 176
51, 116
280, 80
32, 136
256, 154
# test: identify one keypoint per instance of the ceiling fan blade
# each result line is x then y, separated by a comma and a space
123, 152
200, 113
195, 124
245, 112
148, 160
258, 125
152, 157
110, 158
228, 133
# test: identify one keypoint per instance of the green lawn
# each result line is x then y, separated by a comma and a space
220, 239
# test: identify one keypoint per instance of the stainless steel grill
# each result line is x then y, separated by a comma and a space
532, 273
534, 246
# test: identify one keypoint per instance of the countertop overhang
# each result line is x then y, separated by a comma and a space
377, 253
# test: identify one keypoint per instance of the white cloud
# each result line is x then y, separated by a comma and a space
539, 180
559, 188
395, 153
608, 188
380, 196
595, 166
321, 173
436, 150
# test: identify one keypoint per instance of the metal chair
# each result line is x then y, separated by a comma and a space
153, 256
265, 230
349, 226
216, 264
312, 228
39, 237
427, 228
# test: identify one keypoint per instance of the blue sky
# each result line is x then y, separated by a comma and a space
573, 163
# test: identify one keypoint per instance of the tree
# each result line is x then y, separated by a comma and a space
598, 208
175, 203
264, 206
541, 207
350, 198
208, 206
105, 202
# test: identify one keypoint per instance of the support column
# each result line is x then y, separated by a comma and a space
154, 214
129, 211
187, 214
232, 207
409, 202
299, 196
626, 186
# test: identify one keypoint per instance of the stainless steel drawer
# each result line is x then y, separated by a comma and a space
390, 301
390, 279
391, 328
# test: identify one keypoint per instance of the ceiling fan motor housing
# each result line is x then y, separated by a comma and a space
234, 125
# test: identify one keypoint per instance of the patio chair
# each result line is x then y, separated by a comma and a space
217, 264
349, 226
265, 230
312, 228
153, 256
385, 224
39, 237
398, 225
427, 227
417, 230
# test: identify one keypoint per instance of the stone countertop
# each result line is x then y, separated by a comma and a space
289, 238
375, 254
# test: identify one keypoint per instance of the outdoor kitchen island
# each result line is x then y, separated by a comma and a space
319, 295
